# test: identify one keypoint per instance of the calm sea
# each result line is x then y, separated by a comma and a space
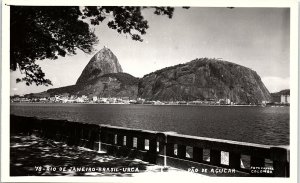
262, 125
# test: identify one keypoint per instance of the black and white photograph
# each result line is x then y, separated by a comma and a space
141, 92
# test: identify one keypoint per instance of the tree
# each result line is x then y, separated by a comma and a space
39, 32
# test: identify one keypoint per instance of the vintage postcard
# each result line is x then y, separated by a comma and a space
149, 91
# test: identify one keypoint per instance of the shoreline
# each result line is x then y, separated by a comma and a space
206, 105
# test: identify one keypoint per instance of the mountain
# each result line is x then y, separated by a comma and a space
103, 62
200, 79
102, 77
204, 79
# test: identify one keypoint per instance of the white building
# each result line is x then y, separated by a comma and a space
227, 101
103, 100
95, 98
79, 100
285, 99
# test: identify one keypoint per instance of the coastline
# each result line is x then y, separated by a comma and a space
206, 105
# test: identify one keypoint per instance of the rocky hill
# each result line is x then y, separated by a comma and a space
204, 79
103, 62
102, 77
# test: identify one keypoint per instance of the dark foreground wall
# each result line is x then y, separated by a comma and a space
209, 156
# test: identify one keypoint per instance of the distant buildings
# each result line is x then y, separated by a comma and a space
285, 99
282, 97
95, 98
225, 101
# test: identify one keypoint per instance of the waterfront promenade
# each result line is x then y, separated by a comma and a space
158, 148
35, 156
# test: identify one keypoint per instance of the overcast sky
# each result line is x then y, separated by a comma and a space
257, 38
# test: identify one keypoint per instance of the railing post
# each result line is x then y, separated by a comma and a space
90, 138
120, 139
197, 154
129, 141
162, 139
103, 135
280, 157
77, 134
234, 160
110, 138
181, 151
152, 145
141, 143
64, 135
69, 132
87, 135
94, 136
81, 135
215, 157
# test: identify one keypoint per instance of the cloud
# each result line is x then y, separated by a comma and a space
276, 84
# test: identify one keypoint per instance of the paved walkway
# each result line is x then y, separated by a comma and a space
34, 156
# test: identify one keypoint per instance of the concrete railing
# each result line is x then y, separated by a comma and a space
198, 154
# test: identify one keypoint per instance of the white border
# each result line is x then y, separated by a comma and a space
5, 104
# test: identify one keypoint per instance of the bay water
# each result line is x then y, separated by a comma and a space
261, 125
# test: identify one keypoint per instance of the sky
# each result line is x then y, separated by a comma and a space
257, 38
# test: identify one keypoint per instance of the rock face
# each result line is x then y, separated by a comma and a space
204, 79
103, 62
